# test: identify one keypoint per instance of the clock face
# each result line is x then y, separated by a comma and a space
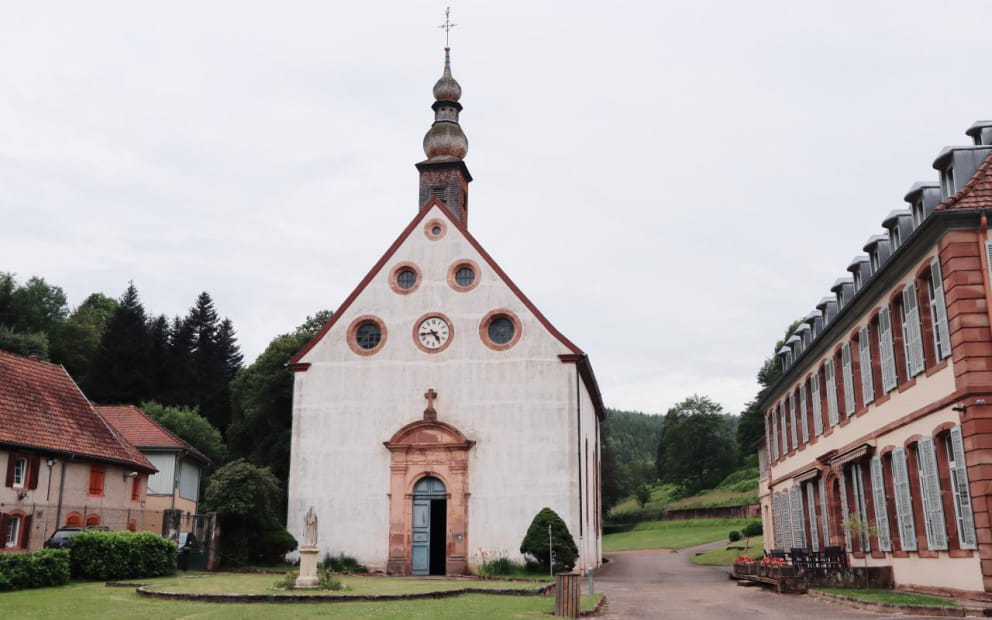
433, 333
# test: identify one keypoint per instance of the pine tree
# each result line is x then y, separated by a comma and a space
120, 371
215, 361
178, 384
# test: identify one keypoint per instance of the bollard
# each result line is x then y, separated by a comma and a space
567, 595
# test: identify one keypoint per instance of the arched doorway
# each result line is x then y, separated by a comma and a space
430, 515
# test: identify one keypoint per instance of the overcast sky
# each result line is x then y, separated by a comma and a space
672, 183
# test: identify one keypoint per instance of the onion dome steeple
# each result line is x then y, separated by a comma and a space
443, 175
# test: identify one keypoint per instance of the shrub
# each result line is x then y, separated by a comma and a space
752, 529
734, 536
495, 563
39, 569
121, 555
273, 544
342, 563
325, 581
536, 543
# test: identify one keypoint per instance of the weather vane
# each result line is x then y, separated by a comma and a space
447, 25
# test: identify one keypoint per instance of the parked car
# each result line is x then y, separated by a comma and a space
62, 538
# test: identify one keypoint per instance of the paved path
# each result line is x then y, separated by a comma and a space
658, 583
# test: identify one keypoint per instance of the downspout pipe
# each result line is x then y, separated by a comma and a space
58, 511
578, 440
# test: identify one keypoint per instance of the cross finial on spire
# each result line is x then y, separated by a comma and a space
447, 25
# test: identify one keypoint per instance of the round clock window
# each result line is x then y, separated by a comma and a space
432, 333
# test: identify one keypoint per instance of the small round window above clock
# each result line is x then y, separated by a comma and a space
463, 275
433, 332
366, 335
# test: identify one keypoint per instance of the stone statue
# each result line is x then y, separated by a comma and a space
310, 528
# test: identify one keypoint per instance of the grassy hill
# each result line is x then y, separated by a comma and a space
739, 488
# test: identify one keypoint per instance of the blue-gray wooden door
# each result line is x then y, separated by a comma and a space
425, 491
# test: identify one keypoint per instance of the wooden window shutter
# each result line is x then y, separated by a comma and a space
912, 333
848, 378
96, 480
938, 312
777, 516
844, 512
798, 530
814, 542
930, 487
25, 534
881, 510
786, 520
824, 513
886, 349
783, 427
792, 419
962, 493
773, 422
814, 386
904, 501
831, 392
804, 423
11, 463
4, 525
864, 360
34, 465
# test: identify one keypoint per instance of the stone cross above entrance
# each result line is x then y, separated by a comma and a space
430, 414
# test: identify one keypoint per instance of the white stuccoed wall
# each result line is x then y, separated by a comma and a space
519, 406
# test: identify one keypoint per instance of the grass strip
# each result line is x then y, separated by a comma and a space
725, 556
892, 597
672, 534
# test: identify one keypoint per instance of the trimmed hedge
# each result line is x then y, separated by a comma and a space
38, 569
121, 555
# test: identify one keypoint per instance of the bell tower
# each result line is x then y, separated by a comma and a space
444, 175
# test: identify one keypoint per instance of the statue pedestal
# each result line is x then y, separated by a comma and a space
308, 568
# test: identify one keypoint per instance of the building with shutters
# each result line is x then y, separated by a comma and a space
176, 484
884, 409
62, 463
439, 410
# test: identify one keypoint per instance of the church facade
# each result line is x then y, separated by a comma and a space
439, 411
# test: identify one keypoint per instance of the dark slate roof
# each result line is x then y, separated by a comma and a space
976, 193
41, 407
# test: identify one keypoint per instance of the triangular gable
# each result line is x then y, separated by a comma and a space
392, 250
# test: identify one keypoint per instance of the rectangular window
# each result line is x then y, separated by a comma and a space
136, 488
864, 359
798, 531
962, 494
895, 237
814, 390
20, 473
814, 542
860, 506
857, 280
96, 480
804, 425
847, 369
777, 515
886, 350
918, 213
904, 501
828, 373
911, 333
881, 510
947, 182
873, 261
933, 506
792, 419
13, 531
938, 312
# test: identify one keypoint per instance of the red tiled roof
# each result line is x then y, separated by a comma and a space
42, 407
976, 193
140, 429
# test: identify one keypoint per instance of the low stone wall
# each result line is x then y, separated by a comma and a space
792, 580
749, 511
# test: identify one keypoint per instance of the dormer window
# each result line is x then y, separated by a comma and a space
895, 237
918, 213
857, 280
873, 260
840, 298
947, 181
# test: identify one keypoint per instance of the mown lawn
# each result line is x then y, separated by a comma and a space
239, 583
894, 597
94, 601
725, 556
715, 498
672, 534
